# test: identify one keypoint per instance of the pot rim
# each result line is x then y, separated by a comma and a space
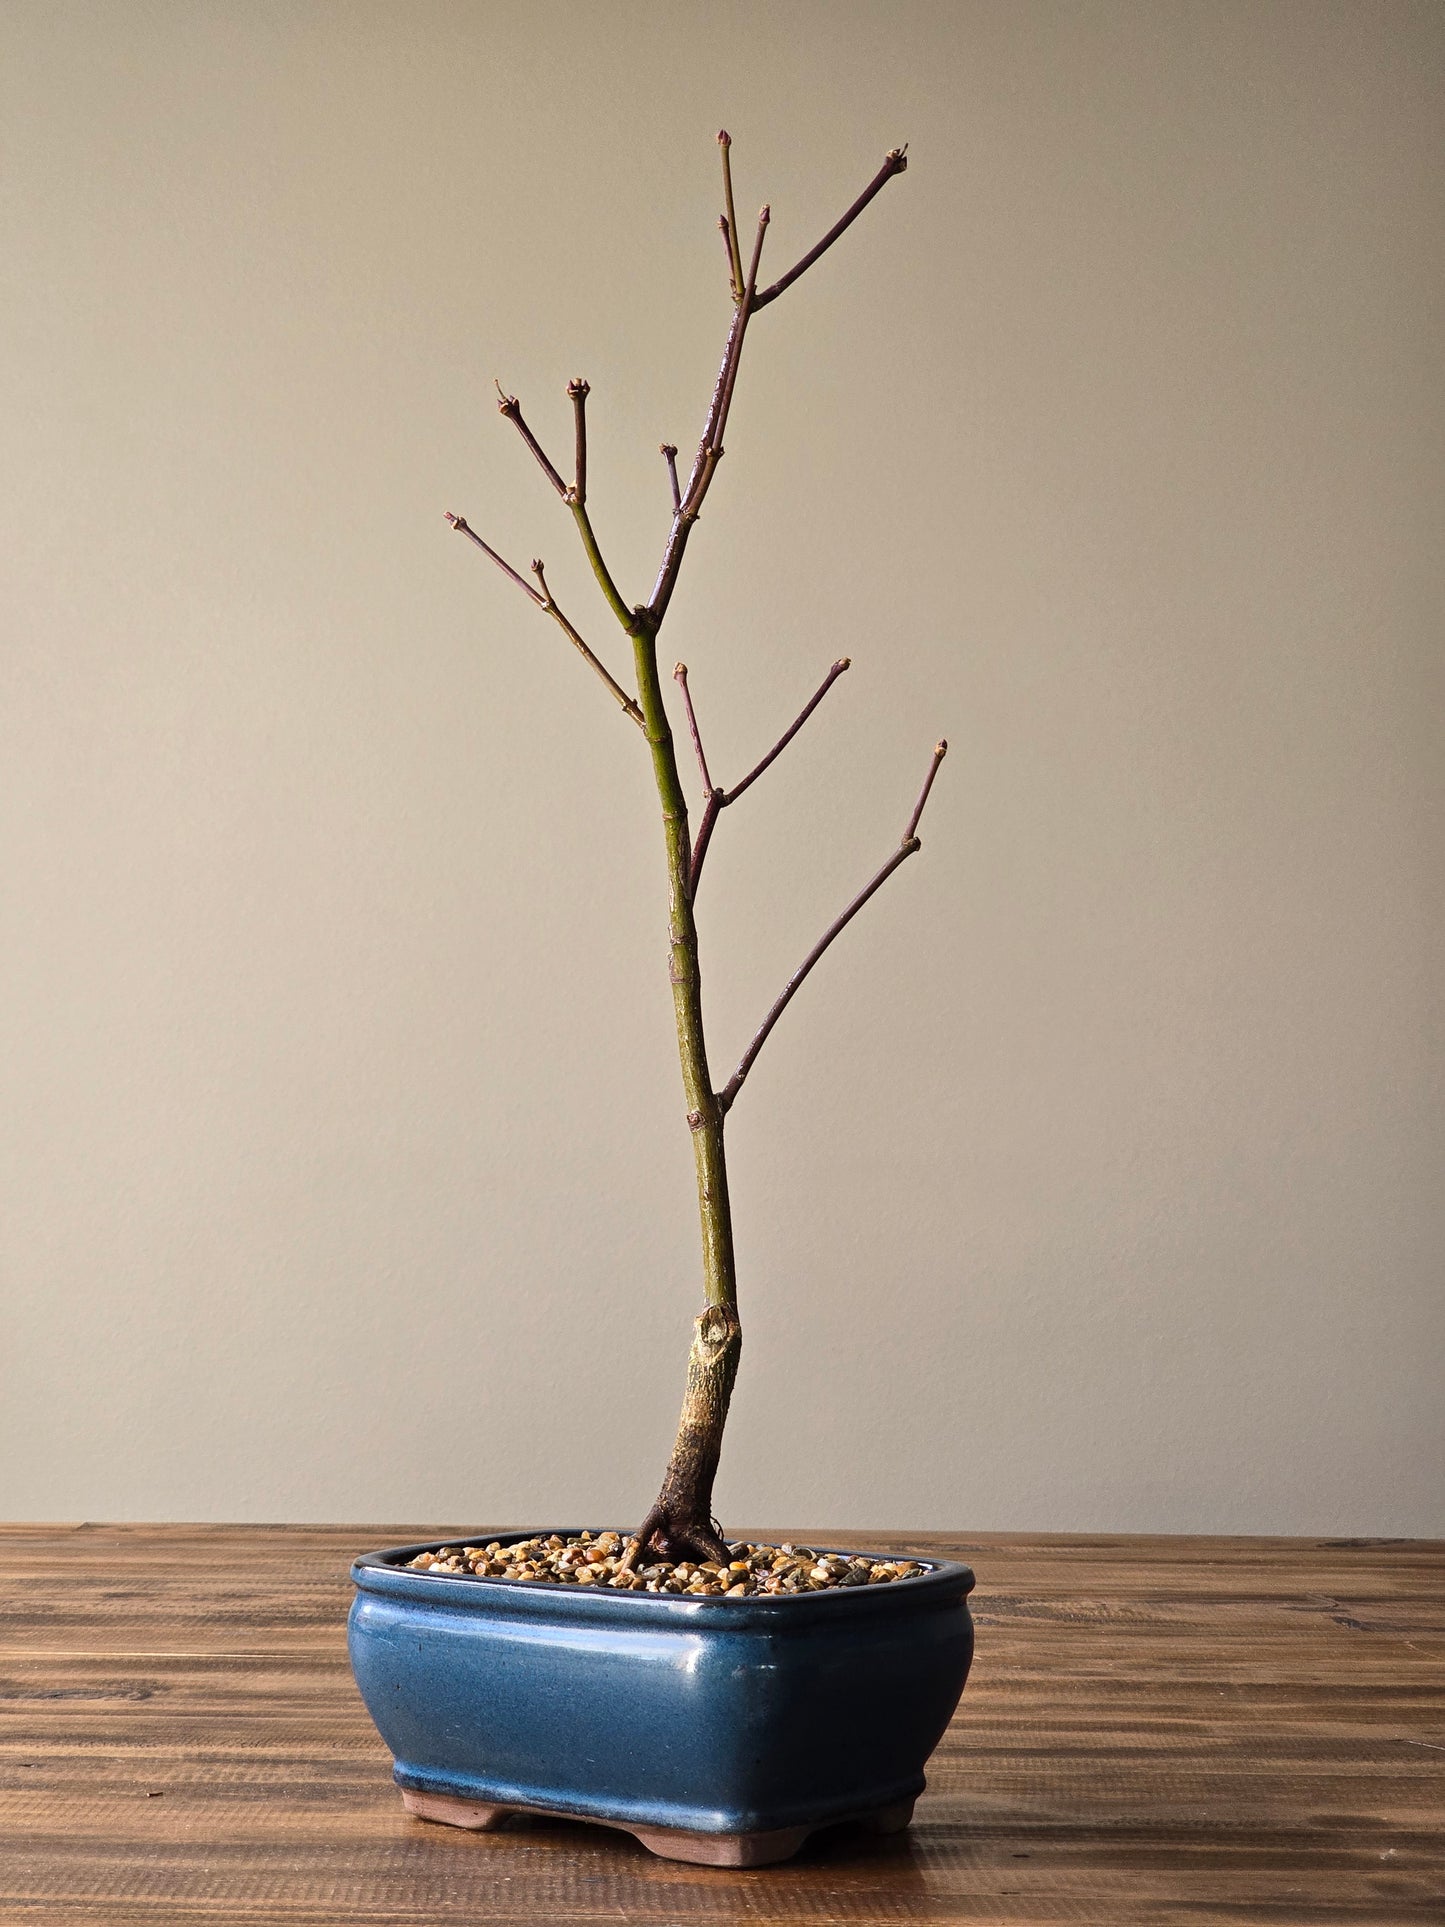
943, 1582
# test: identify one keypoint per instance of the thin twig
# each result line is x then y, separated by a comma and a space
509, 406
728, 1093
895, 163
940, 750
905, 850
579, 391
843, 662
668, 452
727, 234
550, 605
765, 214
463, 527
679, 675
735, 260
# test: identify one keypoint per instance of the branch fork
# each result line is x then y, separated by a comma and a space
545, 601
716, 800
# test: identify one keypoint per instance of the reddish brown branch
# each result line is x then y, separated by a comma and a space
679, 675
668, 452
894, 163
710, 812
709, 448
549, 603
729, 221
509, 406
765, 215
463, 527
727, 234
579, 391
940, 750
905, 850
709, 453
843, 662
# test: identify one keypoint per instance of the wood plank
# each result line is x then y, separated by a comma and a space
1224, 1731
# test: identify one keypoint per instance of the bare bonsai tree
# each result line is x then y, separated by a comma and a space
680, 1523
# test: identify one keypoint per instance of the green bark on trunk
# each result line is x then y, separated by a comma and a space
680, 1522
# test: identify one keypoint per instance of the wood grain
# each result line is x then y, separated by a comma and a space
1238, 1733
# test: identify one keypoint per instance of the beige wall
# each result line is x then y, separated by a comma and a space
1094, 1181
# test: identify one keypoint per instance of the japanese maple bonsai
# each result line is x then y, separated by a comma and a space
680, 1523
720, 1715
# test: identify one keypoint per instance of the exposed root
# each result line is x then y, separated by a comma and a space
673, 1539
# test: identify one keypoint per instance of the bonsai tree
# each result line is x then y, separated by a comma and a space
680, 1523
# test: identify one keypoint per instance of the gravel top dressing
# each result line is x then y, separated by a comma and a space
596, 1559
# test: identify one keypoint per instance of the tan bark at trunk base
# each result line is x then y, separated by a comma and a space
680, 1524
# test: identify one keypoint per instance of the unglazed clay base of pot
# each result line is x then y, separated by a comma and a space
668, 1843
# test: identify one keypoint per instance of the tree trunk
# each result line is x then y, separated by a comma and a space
680, 1523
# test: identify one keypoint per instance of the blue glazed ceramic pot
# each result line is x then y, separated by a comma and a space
715, 1729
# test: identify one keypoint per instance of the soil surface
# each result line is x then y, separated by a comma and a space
598, 1559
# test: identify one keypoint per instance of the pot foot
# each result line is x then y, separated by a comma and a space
722, 1849
477, 1816
762, 1849
894, 1819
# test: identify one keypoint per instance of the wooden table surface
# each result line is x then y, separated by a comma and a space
1217, 1731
